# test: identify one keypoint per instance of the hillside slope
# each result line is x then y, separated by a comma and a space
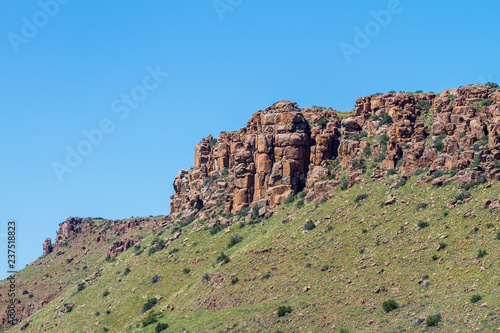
327, 213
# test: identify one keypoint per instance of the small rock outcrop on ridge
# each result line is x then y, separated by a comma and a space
47, 247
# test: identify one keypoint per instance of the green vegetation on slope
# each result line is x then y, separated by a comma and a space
360, 259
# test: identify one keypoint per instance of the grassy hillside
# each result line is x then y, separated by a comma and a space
420, 257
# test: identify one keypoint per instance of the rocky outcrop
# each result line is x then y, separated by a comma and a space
47, 247
68, 228
284, 149
265, 162
119, 247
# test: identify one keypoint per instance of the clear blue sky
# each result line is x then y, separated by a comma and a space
69, 70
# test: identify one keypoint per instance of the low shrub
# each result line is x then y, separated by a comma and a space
390, 305
383, 139
423, 104
437, 174
159, 245
419, 171
81, 286
485, 102
309, 225
186, 271
300, 203
283, 310
453, 171
475, 298
380, 157
234, 280
150, 303
481, 253
234, 240
462, 196
155, 278
385, 119
215, 229
476, 162
151, 318
360, 197
367, 151
401, 182
438, 143
222, 258
359, 165
161, 327
422, 224
322, 122
344, 183
433, 320
391, 172
422, 206
290, 199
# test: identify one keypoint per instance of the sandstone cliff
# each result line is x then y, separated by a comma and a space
284, 149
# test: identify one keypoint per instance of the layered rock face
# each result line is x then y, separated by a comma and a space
285, 149
68, 228
265, 162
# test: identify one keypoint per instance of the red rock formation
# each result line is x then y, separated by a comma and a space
284, 149
47, 247
266, 161
119, 247
68, 228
